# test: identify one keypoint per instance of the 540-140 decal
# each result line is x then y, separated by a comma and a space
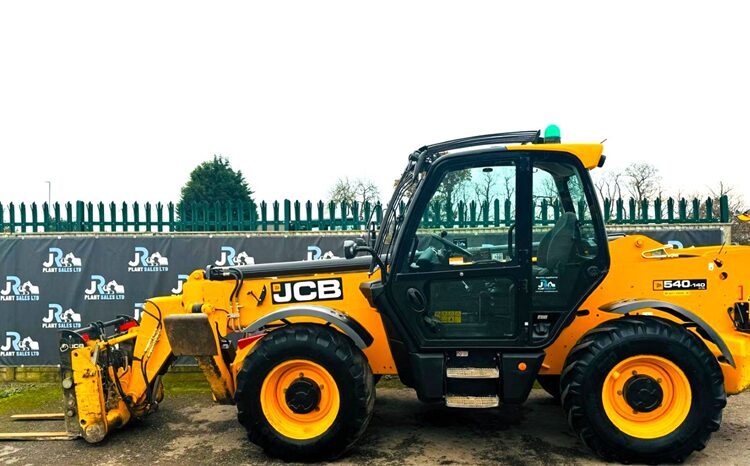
688, 284
301, 291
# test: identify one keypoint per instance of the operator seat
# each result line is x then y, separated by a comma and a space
556, 246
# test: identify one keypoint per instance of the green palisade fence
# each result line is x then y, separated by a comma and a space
308, 216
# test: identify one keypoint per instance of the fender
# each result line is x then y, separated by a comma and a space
629, 305
351, 328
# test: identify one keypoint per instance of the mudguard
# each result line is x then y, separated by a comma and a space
630, 305
351, 328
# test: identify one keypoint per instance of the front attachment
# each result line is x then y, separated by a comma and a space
49, 435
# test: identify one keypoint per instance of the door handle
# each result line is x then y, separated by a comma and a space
416, 299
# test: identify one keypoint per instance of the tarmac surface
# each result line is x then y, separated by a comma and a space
190, 429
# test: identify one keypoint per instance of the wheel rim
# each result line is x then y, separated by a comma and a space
310, 410
646, 396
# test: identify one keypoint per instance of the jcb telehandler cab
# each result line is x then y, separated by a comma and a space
641, 342
469, 313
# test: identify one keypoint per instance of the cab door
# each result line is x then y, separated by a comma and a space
461, 272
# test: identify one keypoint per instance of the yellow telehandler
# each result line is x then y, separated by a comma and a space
641, 342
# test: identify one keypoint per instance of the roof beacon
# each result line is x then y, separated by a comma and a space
552, 134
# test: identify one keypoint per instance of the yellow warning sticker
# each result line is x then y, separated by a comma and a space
448, 317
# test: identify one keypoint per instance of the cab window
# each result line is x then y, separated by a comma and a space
469, 220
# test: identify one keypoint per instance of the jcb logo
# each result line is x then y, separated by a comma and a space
307, 290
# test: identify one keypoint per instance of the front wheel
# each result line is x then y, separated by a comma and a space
305, 393
643, 389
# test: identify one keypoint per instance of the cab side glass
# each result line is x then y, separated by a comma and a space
469, 220
564, 242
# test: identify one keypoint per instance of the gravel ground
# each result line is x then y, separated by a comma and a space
190, 429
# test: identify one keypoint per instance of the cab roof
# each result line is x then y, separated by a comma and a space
590, 155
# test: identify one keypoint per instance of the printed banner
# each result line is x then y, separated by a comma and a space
50, 283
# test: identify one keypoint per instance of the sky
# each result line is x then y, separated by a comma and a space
119, 101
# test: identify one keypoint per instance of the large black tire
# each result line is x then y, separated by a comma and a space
327, 348
615, 343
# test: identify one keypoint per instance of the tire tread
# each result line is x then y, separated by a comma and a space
604, 337
319, 337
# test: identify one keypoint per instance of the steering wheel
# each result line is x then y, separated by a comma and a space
452, 246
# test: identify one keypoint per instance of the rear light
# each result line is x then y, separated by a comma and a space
85, 337
243, 342
127, 325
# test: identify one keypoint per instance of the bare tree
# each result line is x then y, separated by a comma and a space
484, 188
366, 191
545, 188
736, 201
452, 187
509, 187
609, 186
740, 230
642, 182
342, 191
361, 190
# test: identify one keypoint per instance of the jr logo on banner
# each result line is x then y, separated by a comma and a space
18, 290
147, 262
102, 290
59, 262
181, 278
229, 257
16, 346
314, 253
57, 318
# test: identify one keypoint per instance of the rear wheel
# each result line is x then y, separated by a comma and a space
305, 393
643, 389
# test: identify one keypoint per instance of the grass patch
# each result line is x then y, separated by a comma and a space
6, 392
175, 384
390, 381
29, 397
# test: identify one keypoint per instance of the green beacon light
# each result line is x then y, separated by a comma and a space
552, 134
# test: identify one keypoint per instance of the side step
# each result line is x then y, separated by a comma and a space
472, 373
464, 401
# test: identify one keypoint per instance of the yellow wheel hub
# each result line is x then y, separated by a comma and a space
300, 399
646, 396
